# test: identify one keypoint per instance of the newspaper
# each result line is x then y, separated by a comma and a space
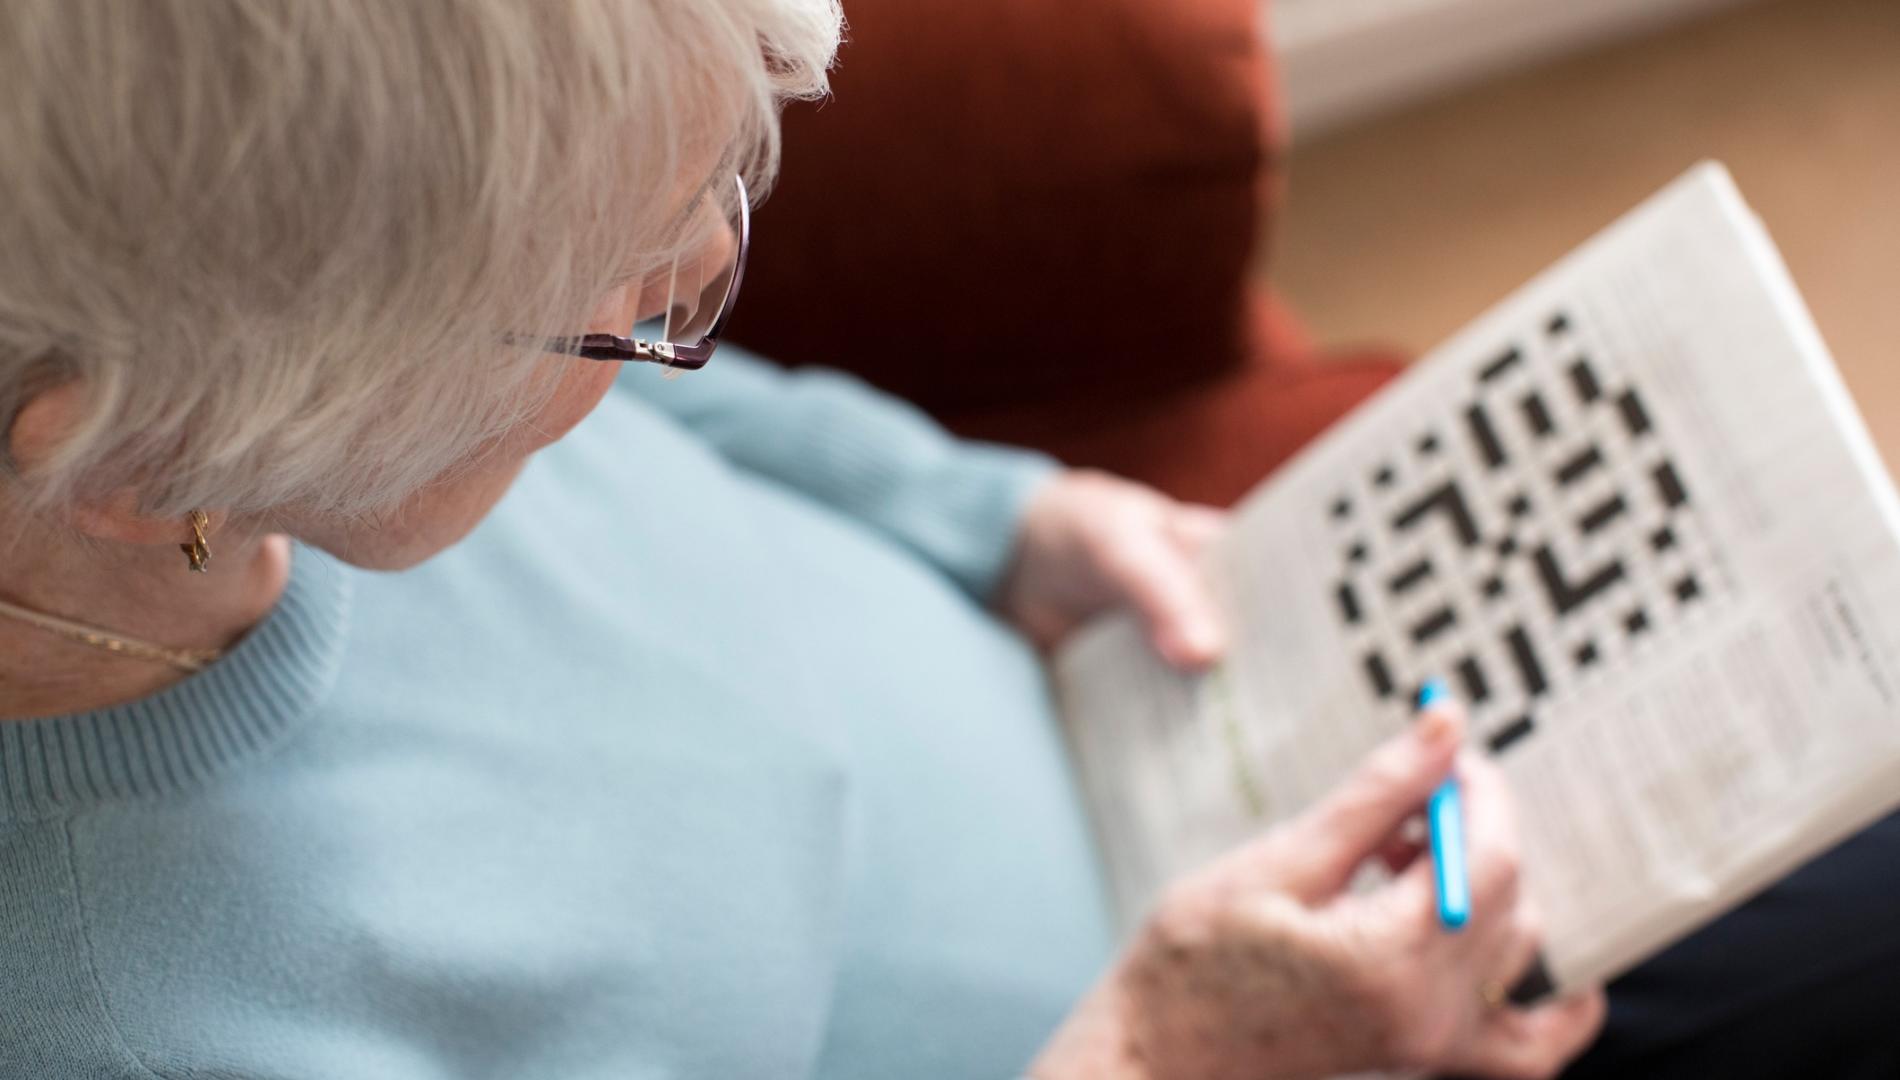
1633, 517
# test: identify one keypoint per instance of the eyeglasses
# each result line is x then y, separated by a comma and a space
688, 337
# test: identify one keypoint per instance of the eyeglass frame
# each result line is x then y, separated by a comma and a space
670, 354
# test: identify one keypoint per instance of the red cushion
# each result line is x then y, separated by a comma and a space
1008, 198
1039, 220
1209, 441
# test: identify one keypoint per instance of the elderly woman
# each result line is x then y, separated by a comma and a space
370, 715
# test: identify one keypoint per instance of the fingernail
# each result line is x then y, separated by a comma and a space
1203, 639
1437, 725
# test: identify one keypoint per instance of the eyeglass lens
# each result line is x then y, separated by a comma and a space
687, 296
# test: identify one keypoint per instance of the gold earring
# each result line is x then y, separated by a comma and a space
199, 550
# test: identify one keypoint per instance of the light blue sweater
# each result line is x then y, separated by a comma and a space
700, 758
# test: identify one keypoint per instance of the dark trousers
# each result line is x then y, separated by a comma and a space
1802, 981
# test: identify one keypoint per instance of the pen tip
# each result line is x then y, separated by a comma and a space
1434, 692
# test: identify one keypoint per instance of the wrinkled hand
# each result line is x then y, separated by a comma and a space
1091, 543
1263, 966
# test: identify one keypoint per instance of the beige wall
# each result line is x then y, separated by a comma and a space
1402, 229
1346, 60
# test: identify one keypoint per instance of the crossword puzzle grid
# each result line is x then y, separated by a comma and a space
1517, 544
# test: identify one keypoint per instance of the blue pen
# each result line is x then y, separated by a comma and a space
1445, 815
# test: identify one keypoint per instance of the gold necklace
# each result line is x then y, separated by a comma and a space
182, 659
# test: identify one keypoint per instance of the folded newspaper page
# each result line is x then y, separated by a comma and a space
1632, 516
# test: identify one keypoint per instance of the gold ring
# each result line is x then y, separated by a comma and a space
1493, 995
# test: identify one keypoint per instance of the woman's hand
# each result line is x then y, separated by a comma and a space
1091, 542
1262, 965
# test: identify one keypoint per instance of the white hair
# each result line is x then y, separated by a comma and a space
282, 242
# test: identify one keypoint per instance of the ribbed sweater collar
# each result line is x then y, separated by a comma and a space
189, 732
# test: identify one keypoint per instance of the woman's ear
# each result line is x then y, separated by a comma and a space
37, 428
